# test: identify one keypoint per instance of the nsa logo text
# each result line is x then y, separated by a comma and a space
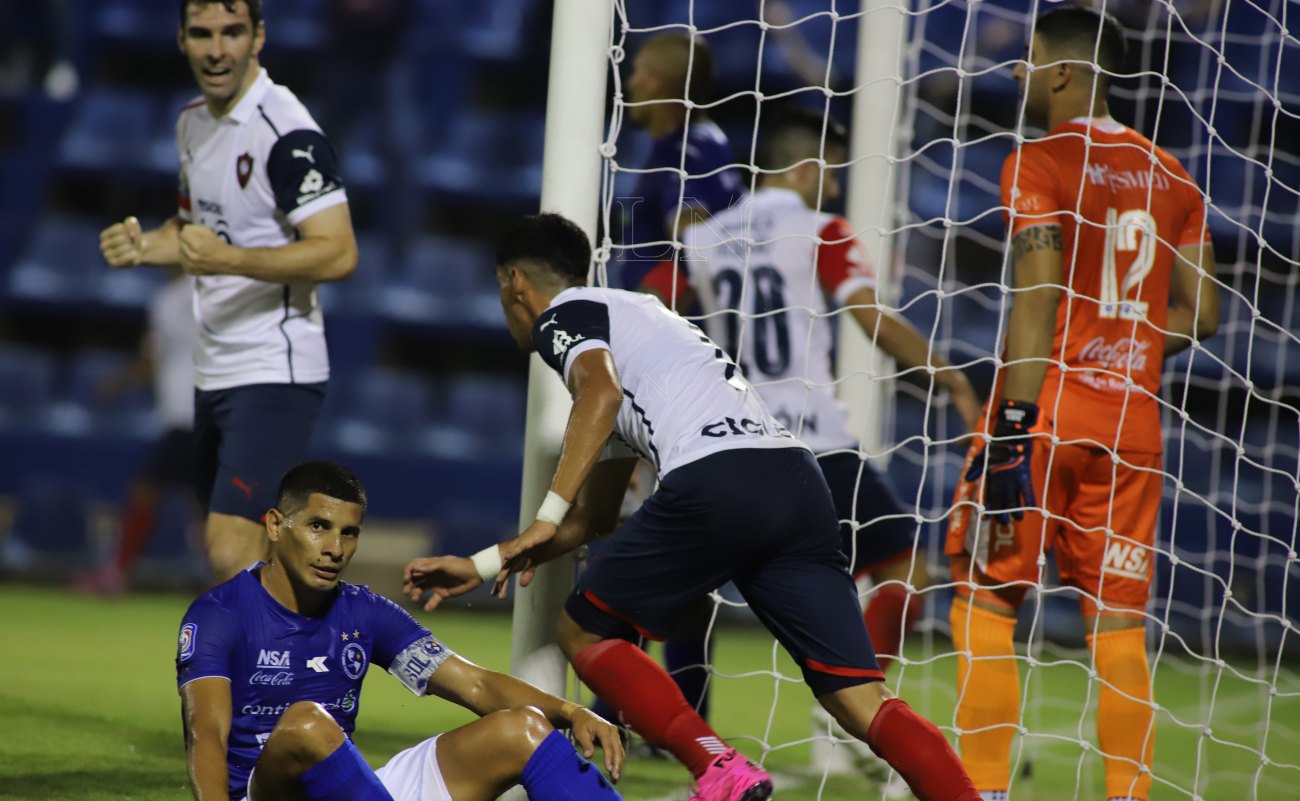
273, 660
1127, 560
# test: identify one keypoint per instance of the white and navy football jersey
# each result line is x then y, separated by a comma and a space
273, 657
763, 271
252, 176
683, 398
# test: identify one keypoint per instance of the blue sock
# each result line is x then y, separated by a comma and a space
343, 776
556, 772
679, 652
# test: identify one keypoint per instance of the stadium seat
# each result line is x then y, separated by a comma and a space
378, 411
51, 530
129, 413
26, 385
447, 281
107, 130
137, 22
489, 155
61, 263
483, 417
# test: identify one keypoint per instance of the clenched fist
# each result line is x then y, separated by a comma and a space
205, 253
122, 243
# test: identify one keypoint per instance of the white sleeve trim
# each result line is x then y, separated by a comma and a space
332, 198
187, 682
850, 285
579, 349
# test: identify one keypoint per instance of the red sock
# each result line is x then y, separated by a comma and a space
920, 753
889, 615
137, 526
647, 699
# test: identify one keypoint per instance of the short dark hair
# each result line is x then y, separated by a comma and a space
795, 134
551, 240
254, 8
1082, 32
323, 477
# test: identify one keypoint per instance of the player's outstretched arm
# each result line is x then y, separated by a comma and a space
205, 716
126, 244
1193, 298
484, 691
326, 250
900, 339
594, 514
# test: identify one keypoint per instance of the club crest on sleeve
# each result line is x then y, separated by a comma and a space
243, 169
185, 643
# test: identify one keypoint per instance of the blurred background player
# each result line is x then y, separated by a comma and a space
739, 499
270, 666
788, 354
166, 358
262, 218
1083, 371
668, 71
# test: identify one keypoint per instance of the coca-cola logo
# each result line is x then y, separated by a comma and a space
1121, 355
272, 678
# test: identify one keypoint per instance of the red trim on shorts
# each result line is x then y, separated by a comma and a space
850, 672
607, 609
886, 562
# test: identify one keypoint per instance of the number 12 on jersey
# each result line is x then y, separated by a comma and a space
1132, 230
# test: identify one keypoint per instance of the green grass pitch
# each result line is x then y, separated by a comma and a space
89, 712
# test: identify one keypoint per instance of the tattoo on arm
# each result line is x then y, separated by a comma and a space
1040, 237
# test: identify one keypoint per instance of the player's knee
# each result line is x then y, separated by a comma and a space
855, 707
305, 731
520, 731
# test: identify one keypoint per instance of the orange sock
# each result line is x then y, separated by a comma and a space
1125, 725
989, 693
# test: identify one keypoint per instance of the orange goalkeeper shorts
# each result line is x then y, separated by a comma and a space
1099, 515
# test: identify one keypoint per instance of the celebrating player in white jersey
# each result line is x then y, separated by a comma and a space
762, 271
262, 218
739, 499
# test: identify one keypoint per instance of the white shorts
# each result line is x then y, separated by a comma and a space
411, 775
414, 775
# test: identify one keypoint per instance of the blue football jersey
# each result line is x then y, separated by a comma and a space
659, 195
274, 657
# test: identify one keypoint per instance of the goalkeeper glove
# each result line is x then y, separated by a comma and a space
1004, 464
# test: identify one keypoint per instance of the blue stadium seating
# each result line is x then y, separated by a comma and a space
108, 130
51, 530
130, 411
489, 154
62, 262
27, 381
377, 411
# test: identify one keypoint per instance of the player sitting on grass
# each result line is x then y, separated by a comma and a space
270, 666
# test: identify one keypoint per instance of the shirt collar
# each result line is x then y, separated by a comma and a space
244, 110
1106, 124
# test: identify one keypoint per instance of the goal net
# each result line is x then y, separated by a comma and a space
1217, 84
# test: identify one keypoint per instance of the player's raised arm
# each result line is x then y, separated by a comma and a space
205, 715
900, 339
326, 250
484, 691
126, 244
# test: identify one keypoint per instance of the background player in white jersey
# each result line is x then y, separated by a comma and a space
166, 358
739, 499
270, 667
262, 218
762, 272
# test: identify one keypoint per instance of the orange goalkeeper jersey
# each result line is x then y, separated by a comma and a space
1124, 206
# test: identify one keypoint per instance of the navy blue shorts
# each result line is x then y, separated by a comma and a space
762, 518
886, 533
247, 438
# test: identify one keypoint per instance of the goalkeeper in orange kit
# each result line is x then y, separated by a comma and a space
1112, 271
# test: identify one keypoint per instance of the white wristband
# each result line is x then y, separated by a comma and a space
488, 563
553, 509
